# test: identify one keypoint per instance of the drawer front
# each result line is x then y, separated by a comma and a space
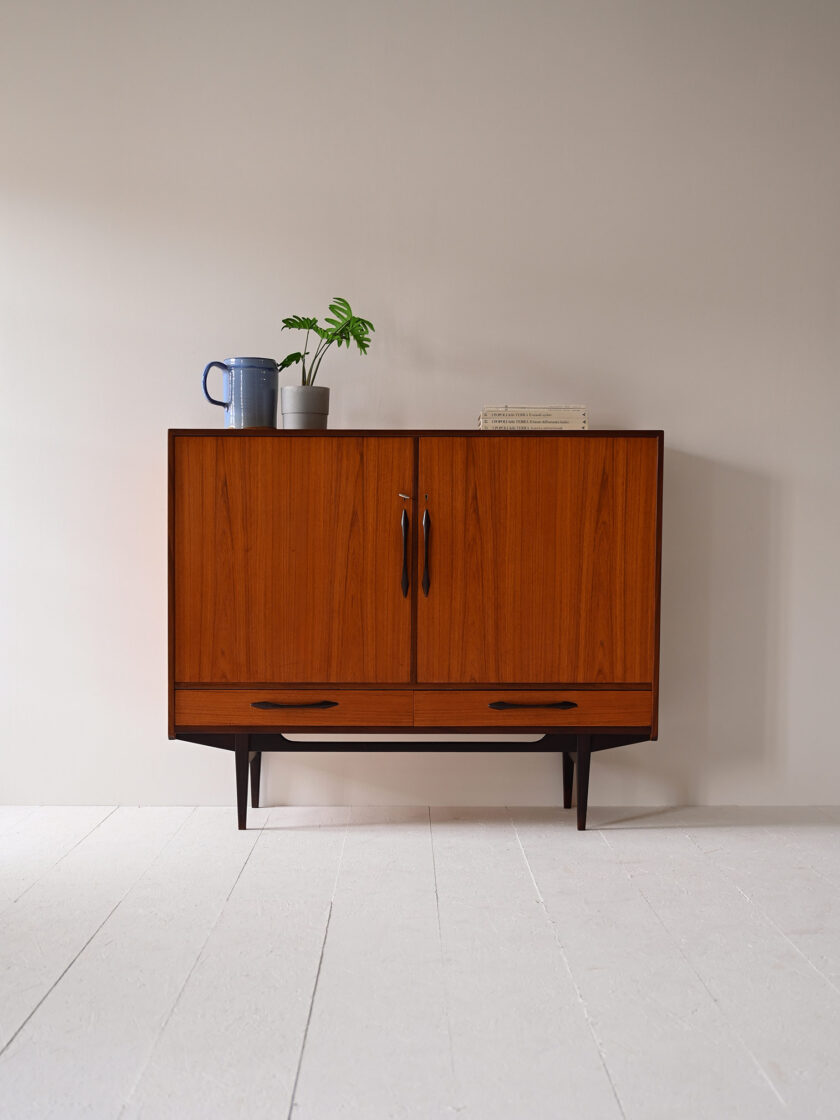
287, 708
517, 708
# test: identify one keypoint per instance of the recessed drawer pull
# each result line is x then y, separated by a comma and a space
268, 705
503, 705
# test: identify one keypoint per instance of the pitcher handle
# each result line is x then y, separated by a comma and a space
212, 400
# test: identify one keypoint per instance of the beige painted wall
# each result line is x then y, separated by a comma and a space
627, 204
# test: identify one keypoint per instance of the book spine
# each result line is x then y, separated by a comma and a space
533, 426
531, 418
553, 410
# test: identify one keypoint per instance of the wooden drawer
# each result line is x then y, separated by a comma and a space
287, 708
585, 708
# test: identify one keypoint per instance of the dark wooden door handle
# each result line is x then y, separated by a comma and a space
404, 581
268, 705
427, 532
503, 705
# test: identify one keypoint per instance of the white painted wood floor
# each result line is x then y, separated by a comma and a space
374, 963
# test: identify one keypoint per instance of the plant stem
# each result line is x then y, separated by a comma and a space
315, 368
316, 361
303, 358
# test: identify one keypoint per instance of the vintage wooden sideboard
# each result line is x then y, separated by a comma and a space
423, 581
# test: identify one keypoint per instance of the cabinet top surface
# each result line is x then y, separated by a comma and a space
238, 433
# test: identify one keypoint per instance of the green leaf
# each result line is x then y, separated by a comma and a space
359, 331
299, 323
290, 360
341, 308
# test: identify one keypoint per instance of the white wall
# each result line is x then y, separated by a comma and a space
631, 205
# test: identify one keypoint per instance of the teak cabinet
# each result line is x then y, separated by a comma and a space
427, 581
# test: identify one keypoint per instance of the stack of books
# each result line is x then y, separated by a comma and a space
511, 417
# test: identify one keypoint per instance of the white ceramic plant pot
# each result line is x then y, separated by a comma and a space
304, 406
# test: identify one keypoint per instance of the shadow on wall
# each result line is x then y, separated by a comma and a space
720, 676
720, 670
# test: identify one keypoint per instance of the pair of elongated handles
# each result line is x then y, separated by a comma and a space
425, 583
497, 705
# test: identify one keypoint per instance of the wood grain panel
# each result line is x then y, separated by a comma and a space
233, 708
288, 557
542, 559
593, 707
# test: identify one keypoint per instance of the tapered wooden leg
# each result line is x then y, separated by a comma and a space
241, 752
568, 778
584, 743
256, 765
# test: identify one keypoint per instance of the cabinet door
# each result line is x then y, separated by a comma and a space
288, 559
542, 559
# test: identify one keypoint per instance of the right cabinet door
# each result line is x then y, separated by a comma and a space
541, 559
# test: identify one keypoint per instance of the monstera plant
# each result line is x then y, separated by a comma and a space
341, 327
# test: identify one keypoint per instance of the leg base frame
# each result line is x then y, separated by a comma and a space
576, 759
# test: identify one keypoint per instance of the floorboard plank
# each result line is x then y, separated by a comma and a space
232, 1044
777, 872
42, 934
669, 1049
782, 1010
377, 1044
11, 816
521, 1042
816, 841
38, 841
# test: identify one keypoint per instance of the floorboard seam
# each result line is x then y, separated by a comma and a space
581, 1001
736, 1034
442, 958
292, 1101
340, 860
192, 969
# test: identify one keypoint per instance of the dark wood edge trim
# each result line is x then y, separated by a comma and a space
170, 578
608, 742
415, 557
356, 433
264, 741
434, 729
408, 687
654, 731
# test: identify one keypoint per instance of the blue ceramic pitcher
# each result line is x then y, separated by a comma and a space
249, 389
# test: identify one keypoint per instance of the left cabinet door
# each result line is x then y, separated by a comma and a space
287, 559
